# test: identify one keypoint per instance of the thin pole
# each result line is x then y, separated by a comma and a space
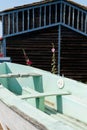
59, 47
4, 47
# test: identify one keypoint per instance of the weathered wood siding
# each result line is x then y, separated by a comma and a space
38, 47
74, 55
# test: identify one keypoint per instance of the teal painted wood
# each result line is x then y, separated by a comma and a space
74, 105
3, 69
38, 119
39, 95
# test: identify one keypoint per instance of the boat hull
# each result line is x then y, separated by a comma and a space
32, 90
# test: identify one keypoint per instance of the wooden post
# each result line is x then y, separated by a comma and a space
59, 47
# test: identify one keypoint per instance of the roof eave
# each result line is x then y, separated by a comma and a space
43, 2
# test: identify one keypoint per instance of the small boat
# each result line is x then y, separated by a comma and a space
34, 99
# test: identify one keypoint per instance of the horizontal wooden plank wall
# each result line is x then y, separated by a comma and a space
74, 55
38, 47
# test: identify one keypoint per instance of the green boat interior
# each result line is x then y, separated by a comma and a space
48, 92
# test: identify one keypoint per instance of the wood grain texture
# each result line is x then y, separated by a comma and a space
12, 120
38, 48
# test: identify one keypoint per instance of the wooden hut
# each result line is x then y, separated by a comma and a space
34, 27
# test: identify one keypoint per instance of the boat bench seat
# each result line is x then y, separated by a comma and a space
12, 75
45, 94
40, 97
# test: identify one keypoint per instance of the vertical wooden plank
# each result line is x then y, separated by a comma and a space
49, 14
78, 20
22, 20
16, 21
44, 15
3, 25
73, 18
64, 13
8, 23
82, 21
40, 17
28, 19
86, 23
33, 16
55, 13
61, 11
59, 104
13, 22
69, 15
